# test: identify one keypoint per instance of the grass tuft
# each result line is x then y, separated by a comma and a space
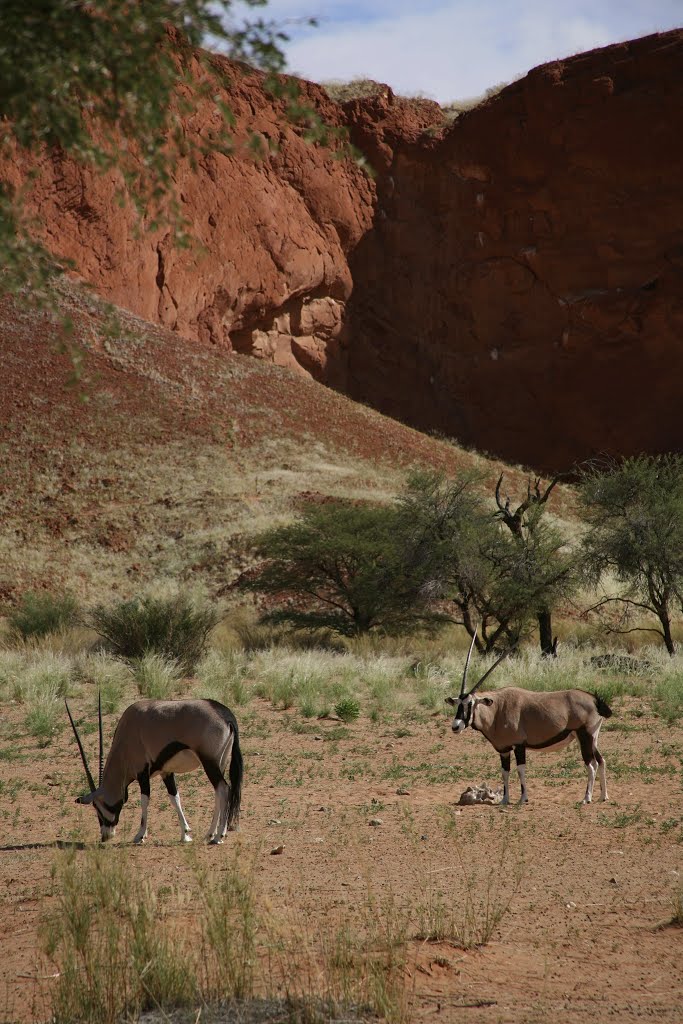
156, 676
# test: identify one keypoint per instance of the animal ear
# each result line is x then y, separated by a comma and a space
451, 700
486, 700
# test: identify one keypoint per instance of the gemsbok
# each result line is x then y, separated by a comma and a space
167, 737
516, 719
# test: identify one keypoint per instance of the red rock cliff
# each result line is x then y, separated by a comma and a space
513, 281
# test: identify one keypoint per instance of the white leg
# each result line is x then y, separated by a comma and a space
142, 831
590, 768
223, 822
185, 829
213, 837
603, 778
521, 769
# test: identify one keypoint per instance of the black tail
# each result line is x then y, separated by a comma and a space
603, 707
236, 772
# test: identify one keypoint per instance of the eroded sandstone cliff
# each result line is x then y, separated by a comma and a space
513, 280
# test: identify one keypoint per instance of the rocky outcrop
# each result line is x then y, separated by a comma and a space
267, 269
513, 280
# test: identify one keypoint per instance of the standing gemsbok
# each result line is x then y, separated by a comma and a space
164, 737
515, 719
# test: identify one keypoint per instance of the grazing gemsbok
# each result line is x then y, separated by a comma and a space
164, 737
514, 719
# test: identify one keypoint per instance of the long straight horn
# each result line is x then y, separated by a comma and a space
489, 671
91, 781
467, 665
99, 715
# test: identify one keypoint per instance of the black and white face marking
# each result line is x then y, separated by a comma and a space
464, 707
107, 814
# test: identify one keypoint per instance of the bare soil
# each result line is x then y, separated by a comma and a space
586, 934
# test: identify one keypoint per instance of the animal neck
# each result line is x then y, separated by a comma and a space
115, 779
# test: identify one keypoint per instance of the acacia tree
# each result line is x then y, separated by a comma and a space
496, 580
555, 571
342, 566
107, 82
634, 514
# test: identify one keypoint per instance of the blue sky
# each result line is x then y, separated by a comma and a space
454, 49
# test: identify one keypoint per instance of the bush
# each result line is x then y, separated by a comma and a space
40, 614
347, 709
173, 627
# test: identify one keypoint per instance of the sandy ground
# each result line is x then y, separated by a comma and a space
580, 938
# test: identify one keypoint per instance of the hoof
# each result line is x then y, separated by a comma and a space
139, 841
186, 838
216, 841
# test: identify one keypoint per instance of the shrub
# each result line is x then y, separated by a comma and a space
173, 628
347, 709
40, 614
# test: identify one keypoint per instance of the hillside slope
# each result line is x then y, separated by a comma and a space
165, 456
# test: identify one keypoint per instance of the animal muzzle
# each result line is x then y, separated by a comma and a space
107, 832
458, 725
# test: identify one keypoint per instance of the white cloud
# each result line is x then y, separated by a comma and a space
456, 49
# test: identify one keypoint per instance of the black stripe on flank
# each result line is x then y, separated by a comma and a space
169, 751
549, 743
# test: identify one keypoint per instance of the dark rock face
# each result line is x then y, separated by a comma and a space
514, 281
522, 287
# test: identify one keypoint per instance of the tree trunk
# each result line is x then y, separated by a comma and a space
666, 627
545, 633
